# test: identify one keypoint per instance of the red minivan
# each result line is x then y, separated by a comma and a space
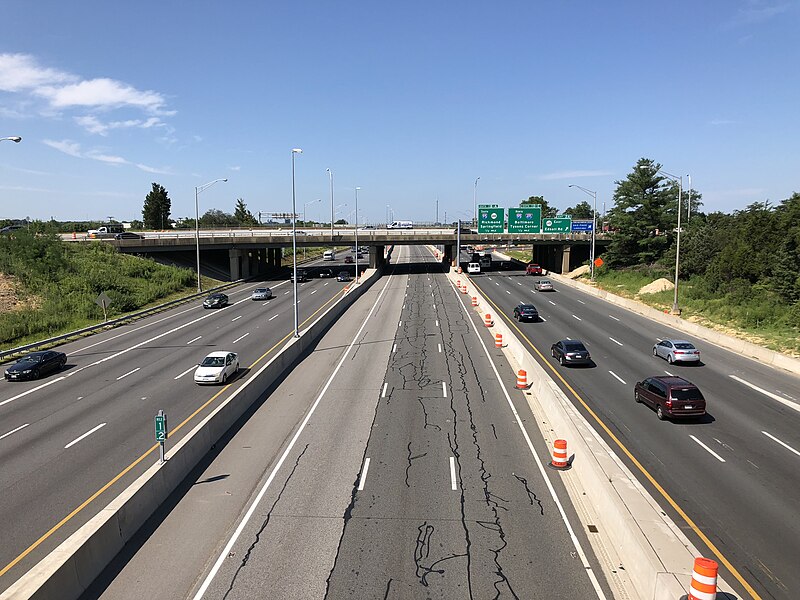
671, 397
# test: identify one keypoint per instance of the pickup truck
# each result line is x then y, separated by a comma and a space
106, 231
533, 269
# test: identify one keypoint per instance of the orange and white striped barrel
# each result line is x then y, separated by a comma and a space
560, 455
498, 340
458, 283
487, 320
464, 289
704, 579
474, 301
522, 379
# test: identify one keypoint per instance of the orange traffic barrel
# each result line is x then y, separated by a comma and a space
498, 340
487, 320
474, 301
458, 283
464, 289
522, 379
704, 580
459, 270
559, 461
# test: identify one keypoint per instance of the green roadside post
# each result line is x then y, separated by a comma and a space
161, 433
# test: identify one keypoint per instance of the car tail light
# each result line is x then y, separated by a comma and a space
669, 403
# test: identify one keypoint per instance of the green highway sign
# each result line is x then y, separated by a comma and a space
525, 219
557, 225
161, 427
491, 219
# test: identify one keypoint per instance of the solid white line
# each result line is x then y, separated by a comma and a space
240, 338
770, 436
551, 302
575, 542
128, 373
440, 347
248, 515
453, 485
709, 450
273, 317
615, 341
186, 371
444, 389
88, 433
577, 317
394, 348
618, 377
236, 318
766, 393
383, 393
363, 475
14, 431
30, 391
613, 317
195, 339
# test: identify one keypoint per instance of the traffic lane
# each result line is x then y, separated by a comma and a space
453, 502
683, 457
130, 429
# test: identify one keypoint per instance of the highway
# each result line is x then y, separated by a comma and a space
71, 441
733, 473
393, 462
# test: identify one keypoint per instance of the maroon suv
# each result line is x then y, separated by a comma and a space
672, 397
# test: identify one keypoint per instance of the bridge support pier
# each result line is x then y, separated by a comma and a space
274, 258
376, 258
246, 264
235, 256
448, 254
566, 252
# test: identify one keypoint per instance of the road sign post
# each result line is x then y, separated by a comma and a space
525, 219
491, 219
161, 433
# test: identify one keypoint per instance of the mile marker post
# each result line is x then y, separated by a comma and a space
161, 433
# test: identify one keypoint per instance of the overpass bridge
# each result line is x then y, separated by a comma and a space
249, 252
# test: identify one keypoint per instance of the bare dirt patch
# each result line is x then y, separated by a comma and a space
659, 285
10, 296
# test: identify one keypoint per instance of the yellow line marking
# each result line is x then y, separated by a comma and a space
152, 449
628, 453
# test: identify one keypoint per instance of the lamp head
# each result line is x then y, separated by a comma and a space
225, 180
14, 138
297, 150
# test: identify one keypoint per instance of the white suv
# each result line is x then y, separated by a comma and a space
473, 268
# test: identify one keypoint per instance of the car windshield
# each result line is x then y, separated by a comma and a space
574, 347
261, 291
213, 361
527, 307
34, 358
687, 394
684, 346
544, 282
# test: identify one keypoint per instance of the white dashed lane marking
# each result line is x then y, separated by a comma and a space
85, 435
618, 378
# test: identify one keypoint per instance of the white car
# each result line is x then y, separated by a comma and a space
473, 268
217, 367
677, 351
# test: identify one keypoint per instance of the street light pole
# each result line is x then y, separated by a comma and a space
294, 247
594, 226
475, 204
197, 191
357, 188
330, 177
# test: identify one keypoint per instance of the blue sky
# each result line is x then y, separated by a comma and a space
410, 101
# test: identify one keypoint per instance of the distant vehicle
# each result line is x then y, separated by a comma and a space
485, 262
533, 269
677, 351
217, 367
672, 397
507, 265
36, 364
359, 255
217, 300
473, 267
302, 276
570, 352
463, 229
128, 235
348, 259
526, 312
261, 294
326, 272
366, 227
400, 225
543, 285
343, 276
11, 228
329, 255
106, 231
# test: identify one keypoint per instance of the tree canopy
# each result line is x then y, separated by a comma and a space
582, 210
548, 212
242, 215
157, 207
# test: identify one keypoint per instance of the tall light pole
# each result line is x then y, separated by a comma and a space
14, 138
330, 177
475, 204
594, 225
197, 191
357, 249
294, 247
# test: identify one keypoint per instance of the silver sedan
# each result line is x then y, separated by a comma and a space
543, 285
677, 351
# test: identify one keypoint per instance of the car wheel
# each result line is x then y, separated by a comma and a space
670, 360
660, 413
36, 374
655, 352
224, 378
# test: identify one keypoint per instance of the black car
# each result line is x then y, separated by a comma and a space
36, 364
343, 276
570, 352
526, 312
217, 300
302, 276
326, 272
128, 235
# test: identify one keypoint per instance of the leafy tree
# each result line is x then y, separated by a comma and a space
157, 206
217, 218
341, 222
244, 216
548, 212
582, 210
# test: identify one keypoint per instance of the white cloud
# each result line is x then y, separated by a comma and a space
101, 93
156, 170
574, 174
757, 11
94, 125
107, 158
236, 168
65, 146
20, 72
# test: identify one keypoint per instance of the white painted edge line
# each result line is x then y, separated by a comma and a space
87, 434
575, 541
613, 317
707, 449
577, 317
240, 338
618, 378
14, 431
440, 347
383, 392
252, 508
363, 478
194, 340
273, 317
186, 371
236, 318
783, 401
769, 435
453, 483
444, 389
30, 391
128, 373
615, 341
